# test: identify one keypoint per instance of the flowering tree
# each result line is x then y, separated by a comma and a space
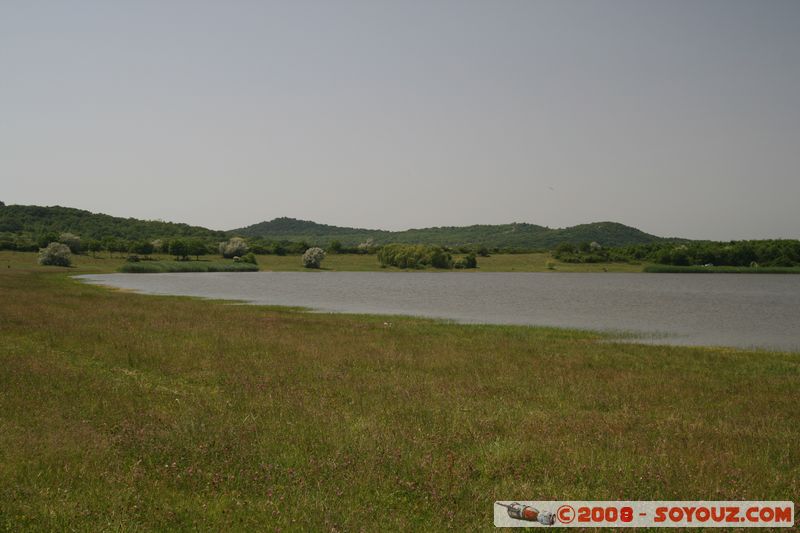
235, 247
56, 254
313, 257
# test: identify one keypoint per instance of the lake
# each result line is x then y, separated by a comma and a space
741, 310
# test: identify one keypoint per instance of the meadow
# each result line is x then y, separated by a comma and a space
121, 411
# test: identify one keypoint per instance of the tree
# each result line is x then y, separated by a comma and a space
109, 245
73, 241
94, 246
235, 247
312, 258
142, 248
279, 249
565, 248
335, 247
46, 238
197, 248
179, 249
56, 254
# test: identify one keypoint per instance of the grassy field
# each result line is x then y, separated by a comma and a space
128, 412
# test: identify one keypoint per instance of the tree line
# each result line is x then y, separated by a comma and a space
747, 253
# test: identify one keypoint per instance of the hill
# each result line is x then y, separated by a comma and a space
36, 220
29, 222
515, 235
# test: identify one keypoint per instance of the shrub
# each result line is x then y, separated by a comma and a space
236, 246
56, 254
132, 259
312, 258
414, 256
468, 261
249, 258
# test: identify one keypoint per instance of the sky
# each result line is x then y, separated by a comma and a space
679, 117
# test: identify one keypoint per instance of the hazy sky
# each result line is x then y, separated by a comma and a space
679, 117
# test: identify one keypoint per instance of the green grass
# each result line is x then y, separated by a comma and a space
121, 411
673, 269
149, 267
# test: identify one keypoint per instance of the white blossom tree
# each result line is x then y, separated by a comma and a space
313, 257
235, 247
56, 254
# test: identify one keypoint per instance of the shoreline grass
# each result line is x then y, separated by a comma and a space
674, 269
152, 267
133, 412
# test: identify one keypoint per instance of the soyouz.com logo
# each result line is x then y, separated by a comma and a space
644, 514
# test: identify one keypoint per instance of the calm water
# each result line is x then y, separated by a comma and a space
706, 309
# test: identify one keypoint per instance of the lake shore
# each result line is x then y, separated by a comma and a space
168, 412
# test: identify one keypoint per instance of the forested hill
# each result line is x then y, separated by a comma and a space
515, 235
30, 223
34, 220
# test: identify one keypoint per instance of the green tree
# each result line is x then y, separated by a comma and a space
197, 248
335, 247
142, 248
94, 246
180, 249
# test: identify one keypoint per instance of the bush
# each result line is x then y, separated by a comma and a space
312, 258
469, 261
249, 258
414, 256
235, 247
56, 254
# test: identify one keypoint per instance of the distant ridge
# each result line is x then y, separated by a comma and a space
36, 220
514, 235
